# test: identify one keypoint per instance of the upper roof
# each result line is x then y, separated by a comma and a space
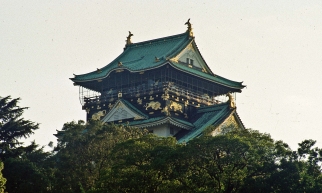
155, 53
141, 56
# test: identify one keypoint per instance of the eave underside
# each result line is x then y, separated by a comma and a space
122, 80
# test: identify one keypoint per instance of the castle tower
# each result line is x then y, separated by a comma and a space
163, 85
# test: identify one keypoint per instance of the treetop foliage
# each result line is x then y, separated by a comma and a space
96, 157
13, 127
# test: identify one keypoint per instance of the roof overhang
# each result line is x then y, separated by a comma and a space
168, 62
165, 120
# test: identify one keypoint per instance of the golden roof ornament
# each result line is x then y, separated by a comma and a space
128, 39
189, 30
119, 95
231, 100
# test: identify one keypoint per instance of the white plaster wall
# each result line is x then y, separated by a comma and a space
162, 130
188, 53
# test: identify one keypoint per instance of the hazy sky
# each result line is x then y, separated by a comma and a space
275, 47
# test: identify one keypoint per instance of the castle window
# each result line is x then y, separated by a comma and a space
189, 61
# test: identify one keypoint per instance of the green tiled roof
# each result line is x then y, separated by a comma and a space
141, 56
205, 117
183, 121
214, 78
145, 121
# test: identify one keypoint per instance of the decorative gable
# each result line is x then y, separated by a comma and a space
229, 124
122, 111
191, 57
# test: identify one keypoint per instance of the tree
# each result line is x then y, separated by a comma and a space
223, 163
239, 161
23, 165
13, 127
140, 165
83, 152
28, 173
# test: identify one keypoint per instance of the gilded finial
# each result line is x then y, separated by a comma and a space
231, 100
128, 39
119, 64
189, 30
98, 70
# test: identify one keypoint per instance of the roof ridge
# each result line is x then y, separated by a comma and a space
213, 106
195, 44
239, 119
157, 40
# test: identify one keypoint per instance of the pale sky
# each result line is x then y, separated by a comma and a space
275, 47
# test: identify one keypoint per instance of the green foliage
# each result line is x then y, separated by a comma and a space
13, 127
95, 157
28, 173
83, 152
140, 165
239, 161
22, 164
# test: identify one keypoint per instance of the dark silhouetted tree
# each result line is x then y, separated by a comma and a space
13, 127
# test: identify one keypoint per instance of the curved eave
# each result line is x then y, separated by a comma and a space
119, 68
208, 76
180, 68
172, 121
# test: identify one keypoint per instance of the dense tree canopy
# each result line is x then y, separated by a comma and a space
96, 157
28, 173
83, 153
23, 165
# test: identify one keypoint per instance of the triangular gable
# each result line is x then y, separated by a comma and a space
191, 56
122, 110
205, 117
222, 118
231, 122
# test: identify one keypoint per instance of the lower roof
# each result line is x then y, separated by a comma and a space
162, 120
207, 116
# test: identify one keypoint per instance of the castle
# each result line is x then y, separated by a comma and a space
163, 85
